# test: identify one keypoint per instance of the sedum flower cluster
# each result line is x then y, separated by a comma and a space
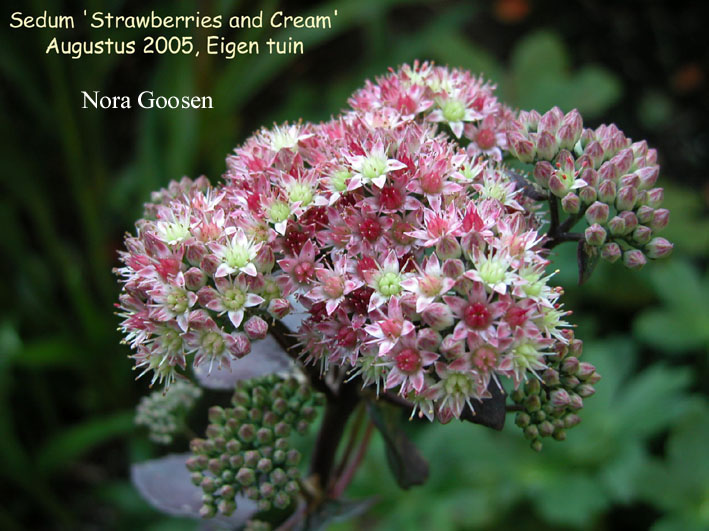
163, 413
396, 229
247, 449
600, 175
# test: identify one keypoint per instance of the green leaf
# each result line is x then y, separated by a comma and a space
537, 55
405, 461
593, 90
77, 440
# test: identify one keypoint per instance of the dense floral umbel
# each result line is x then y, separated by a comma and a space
163, 412
414, 251
247, 449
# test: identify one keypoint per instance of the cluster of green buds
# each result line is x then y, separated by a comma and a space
163, 412
550, 403
599, 175
247, 449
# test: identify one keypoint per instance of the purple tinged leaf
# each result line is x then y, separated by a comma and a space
165, 484
406, 463
266, 357
587, 260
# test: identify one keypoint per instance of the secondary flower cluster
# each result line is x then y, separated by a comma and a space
247, 450
163, 413
415, 257
600, 175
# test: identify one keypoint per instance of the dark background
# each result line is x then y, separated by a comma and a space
74, 180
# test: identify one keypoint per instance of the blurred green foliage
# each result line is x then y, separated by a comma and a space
74, 180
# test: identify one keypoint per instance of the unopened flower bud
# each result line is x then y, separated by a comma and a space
654, 197
634, 259
532, 403
647, 176
522, 419
529, 120
585, 370
546, 428
256, 328
428, 339
536, 445
195, 278
438, 316
585, 390
542, 173
226, 507
521, 148
642, 234
531, 431
453, 268
245, 476
597, 213
209, 264
242, 345
448, 248
575, 401
560, 398
606, 191
645, 213
216, 415
550, 377
279, 308
616, 226
559, 435
594, 151
195, 252
551, 120
571, 203
595, 235
293, 457
660, 219
626, 197
587, 194
608, 172
264, 465
631, 179
571, 420
547, 145
532, 386
658, 248
623, 160
594, 378
590, 177
247, 433
570, 365
265, 259
207, 511
570, 381
631, 220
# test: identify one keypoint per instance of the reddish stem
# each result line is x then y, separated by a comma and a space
346, 478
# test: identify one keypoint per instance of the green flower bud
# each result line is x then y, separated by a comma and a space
245, 476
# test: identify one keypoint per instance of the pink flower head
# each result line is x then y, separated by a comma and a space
429, 284
236, 255
387, 330
407, 365
333, 285
232, 297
